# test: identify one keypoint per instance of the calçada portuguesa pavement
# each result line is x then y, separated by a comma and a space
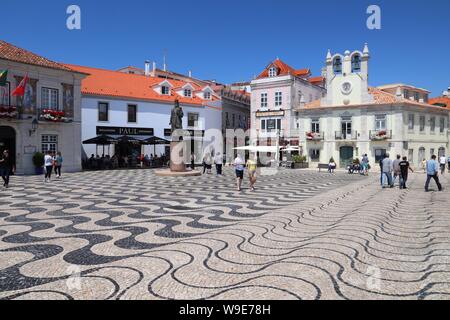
300, 235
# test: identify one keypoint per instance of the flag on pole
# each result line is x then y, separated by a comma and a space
3, 77
20, 90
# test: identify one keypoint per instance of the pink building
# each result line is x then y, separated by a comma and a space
275, 94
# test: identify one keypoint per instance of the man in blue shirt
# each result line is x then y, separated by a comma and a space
432, 173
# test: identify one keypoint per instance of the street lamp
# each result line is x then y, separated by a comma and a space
34, 126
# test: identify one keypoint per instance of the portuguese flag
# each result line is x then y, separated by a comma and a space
3, 77
20, 90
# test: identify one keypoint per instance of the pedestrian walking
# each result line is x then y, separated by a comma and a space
6, 167
404, 170
365, 164
218, 161
387, 168
48, 166
381, 172
442, 163
396, 168
58, 164
208, 163
432, 173
448, 164
193, 161
204, 164
239, 168
252, 166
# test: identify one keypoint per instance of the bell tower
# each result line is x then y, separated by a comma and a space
347, 78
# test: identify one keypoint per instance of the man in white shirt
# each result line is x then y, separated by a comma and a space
442, 161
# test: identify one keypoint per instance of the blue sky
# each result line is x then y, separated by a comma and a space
234, 40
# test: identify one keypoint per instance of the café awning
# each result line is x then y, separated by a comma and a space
155, 141
128, 139
102, 140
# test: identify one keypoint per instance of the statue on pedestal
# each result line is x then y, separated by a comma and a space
176, 117
176, 147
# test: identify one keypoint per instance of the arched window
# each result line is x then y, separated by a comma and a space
356, 63
337, 65
441, 152
272, 72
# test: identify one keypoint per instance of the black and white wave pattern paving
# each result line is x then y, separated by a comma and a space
301, 235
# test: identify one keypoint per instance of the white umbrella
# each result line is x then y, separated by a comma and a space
262, 149
291, 149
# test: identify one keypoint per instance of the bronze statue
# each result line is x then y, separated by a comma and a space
176, 118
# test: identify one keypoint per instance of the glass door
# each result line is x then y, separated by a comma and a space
346, 126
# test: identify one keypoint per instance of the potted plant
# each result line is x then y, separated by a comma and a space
300, 162
38, 161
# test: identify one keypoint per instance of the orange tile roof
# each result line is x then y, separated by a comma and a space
380, 98
283, 69
16, 54
440, 101
303, 72
118, 84
317, 80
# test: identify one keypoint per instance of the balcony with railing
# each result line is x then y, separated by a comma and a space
380, 135
315, 136
346, 135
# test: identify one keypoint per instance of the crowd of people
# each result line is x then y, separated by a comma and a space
391, 170
106, 162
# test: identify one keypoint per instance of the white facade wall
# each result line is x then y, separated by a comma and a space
404, 141
150, 114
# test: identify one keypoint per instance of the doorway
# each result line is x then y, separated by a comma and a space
346, 156
8, 141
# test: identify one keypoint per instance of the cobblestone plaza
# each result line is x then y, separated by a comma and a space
300, 235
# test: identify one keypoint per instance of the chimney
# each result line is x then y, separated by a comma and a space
398, 94
154, 68
190, 74
147, 68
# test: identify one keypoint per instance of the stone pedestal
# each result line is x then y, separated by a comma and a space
177, 157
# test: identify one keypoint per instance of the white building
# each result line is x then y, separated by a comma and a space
118, 103
354, 119
23, 128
